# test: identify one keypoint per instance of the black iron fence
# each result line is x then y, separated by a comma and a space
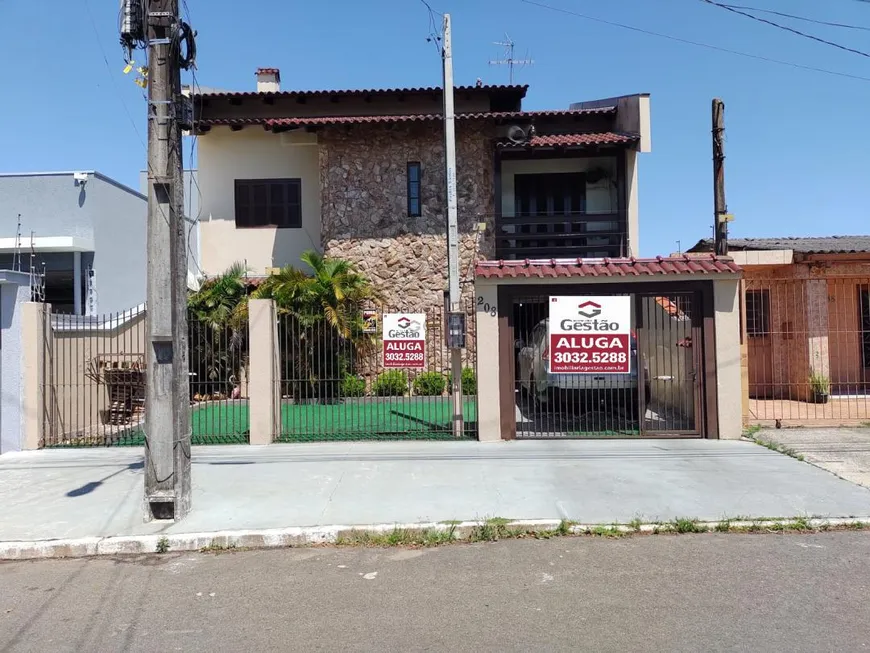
658, 396
334, 384
94, 381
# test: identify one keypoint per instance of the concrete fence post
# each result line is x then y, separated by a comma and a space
35, 328
264, 402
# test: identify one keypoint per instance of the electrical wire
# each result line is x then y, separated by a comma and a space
697, 43
434, 33
786, 28
112, 76
193, 156
794, 17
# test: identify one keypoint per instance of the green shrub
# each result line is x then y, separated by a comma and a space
469, 381
391, 384
353, 386
430, 384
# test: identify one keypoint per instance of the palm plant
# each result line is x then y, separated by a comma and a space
324, 318
217, 316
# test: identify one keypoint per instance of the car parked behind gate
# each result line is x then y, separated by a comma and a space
607, 390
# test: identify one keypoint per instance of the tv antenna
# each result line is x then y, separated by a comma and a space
508, 57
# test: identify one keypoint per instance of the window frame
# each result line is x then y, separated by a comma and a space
292, 211
414, 165
757, 324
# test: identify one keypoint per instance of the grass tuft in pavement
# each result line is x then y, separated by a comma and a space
773, 446
686, 525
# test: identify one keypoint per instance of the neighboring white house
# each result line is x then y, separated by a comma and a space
83, 234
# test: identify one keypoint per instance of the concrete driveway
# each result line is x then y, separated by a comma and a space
843, 451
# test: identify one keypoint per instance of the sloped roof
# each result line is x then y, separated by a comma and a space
519, 89
607, 267
574, 140
810, 245
301, 121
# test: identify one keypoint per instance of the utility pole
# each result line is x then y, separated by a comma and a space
167, 405
720, 208
456, 317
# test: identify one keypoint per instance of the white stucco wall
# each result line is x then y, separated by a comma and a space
729, 387
253, 153
12, 296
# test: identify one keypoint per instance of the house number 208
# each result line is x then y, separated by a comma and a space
492, 309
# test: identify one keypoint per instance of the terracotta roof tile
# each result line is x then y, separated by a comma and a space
421, 117
575, 140
614, 267
516, 88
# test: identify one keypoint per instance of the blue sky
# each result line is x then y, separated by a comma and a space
797, 141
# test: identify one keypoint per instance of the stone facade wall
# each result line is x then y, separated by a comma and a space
365, 219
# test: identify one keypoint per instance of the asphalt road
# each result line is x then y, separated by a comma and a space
660, 593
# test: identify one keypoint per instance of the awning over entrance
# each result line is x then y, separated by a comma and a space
607, 267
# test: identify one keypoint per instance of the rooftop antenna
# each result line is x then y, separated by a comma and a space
508, 58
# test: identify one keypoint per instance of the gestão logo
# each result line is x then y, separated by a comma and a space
590, 311
408, 328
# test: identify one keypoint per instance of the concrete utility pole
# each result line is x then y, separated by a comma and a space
720, 208
454, 296
167, 405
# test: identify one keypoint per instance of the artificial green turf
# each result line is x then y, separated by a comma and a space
405, 418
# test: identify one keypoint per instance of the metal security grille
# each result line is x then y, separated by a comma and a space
333, 385
659, 397
219, 369
807, 349
94, 381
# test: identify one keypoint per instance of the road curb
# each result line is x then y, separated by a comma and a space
324, 535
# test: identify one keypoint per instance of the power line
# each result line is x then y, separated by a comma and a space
434, 32
112, 76
785, 28
697, 43
803, 18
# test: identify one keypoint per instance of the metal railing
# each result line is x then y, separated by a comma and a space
561, 235
807, 349
334, 386
218, 360
94, 381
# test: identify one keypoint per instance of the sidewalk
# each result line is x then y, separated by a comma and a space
842, 451
54, 494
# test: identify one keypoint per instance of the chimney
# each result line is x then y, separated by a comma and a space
268, 80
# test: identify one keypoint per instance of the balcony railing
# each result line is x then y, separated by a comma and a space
566, 235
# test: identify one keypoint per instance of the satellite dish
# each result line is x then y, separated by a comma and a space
517, 134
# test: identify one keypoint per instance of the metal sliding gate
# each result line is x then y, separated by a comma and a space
660, 397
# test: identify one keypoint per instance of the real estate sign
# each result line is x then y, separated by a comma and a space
405, 340
590, 335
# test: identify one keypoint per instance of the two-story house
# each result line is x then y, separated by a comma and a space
359, 174
547, 206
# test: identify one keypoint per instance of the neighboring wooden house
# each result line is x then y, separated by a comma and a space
807, 315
